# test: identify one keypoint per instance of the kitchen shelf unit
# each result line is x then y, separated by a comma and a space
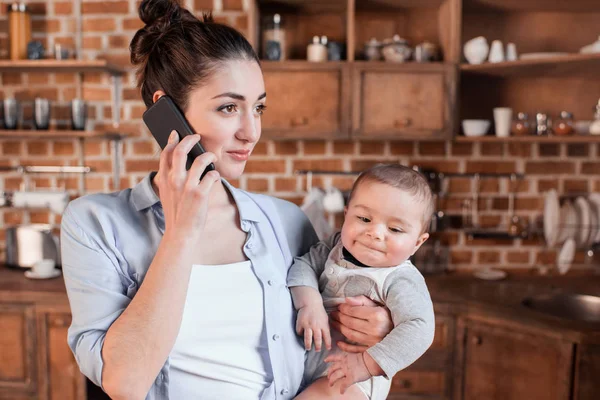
529, 139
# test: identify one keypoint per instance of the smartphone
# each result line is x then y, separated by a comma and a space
164, 116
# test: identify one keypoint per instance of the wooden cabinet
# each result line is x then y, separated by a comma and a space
309, 101
17, 351
59, 374
391, 101
503, 364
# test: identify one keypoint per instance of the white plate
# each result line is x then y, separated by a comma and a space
582, 208
551, 217
490, 274
594, 199
53, 274
565, 256
535, 56
592, 223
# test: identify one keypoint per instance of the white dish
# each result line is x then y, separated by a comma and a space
551, 217
565, 256
567, 217
541, 55
582, 208
594, 199
490, 274
52, 274
475, 127
592, 223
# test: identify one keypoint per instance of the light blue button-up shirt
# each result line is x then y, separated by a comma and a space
109, 240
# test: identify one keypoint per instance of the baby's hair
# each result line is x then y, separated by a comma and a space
403, 178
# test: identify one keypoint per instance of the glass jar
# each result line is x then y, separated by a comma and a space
564, 125
521, 126
274, 43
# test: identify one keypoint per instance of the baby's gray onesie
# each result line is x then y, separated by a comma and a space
401, 289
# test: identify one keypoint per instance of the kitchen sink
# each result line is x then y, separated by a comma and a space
579, 307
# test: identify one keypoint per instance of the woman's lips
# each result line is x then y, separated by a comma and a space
239, 155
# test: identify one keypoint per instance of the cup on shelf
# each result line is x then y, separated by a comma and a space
502, 121
511, 52
41, 113
10, 108
496, 52
78, 114
476, 50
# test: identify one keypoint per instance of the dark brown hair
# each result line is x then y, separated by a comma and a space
176, 52
403, 178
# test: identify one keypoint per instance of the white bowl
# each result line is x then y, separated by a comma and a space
475, 127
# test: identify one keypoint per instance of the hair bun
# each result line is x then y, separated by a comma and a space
152, 10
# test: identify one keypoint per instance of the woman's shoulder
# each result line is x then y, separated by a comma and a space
90, 209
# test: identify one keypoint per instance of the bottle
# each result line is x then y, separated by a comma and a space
595, 126
317, 50
521, 126
564, 125
19, 28
274, 44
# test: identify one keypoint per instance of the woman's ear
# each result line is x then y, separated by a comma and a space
157, 95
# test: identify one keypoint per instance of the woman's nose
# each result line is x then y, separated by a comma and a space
250, 129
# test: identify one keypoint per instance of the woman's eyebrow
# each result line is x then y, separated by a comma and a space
238, 96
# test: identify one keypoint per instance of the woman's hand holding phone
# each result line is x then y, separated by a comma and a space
184, 196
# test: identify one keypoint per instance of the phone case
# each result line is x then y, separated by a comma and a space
164, 116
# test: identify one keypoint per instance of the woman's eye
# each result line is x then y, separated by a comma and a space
260, 109
364, 219
229, 109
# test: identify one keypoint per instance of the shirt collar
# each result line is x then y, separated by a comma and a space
143, 196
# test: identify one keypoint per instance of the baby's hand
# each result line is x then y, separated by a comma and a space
348, 368
313, 322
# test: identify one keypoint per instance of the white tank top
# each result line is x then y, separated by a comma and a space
221, 350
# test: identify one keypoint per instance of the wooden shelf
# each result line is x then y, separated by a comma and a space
56, 134
60, 66
364, 65
533, 5
529, 139
573, 64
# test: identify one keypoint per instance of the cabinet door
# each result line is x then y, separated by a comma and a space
502, 364
414, 101
306, 100
17, 350
59, 374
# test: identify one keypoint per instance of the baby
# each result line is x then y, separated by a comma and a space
386, 220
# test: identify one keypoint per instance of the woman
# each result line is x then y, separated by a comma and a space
177, 286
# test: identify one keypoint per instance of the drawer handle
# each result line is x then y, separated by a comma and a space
299, 121
477, 340
405, 383
402, 123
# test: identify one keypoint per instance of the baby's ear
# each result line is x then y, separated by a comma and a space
422, 239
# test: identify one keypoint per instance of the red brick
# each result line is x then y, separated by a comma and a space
105, 7
488, 257
546, 257
39, 217
204, 5
578, 150
402, 148
265, 166
95, 183
285, 184
63, 8
489, 185
372, 148
491, 167
440, 166
141, 165
233, 5
489, 221
517, 257
261, 148
545, 185
462, 149
548, 149
92, 42
432, 148
461, 256
318, 165
104, 165
12, 148
10, 78
549, 167
343, 183
146, 148
96, 94
492, 149
13, 217
94, 148
37, 8
459, 185
45, 26
119, 41
37, 148
132, 24
590, 168
575, 186
32, 93
286, 148
529, 203
343, 147
257, 185
68, 41
519, 149
63, 149
314, 147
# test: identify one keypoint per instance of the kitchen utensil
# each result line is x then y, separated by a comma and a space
372, 50
78, 114
475, 127
592, 223
317, 50
426, 52
55, 273
518, 226
11, 111
594, 199
496, 52
490, 274
56, 201
27, 244
564, 125
551, 217
542, 124
335, 50
274, 39
41, 113
511, 52
521, 126
591, 48
396, 49
565, 256
502, 121
582, 209
476, 50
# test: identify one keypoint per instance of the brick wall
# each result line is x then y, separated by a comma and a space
108, 28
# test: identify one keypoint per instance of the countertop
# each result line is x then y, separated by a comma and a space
460, 294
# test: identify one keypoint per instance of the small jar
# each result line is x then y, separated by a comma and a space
274, 41
521, 126
564, 125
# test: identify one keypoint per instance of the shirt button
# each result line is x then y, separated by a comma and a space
330, 271
270, 282
250, 245
285, 391
275, 337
